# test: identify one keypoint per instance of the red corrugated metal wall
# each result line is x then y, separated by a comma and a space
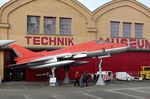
31, 74
129, 62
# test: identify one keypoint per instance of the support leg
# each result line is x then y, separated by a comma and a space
100, 80
66, 79
52, 80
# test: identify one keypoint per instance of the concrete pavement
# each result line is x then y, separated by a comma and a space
42, 90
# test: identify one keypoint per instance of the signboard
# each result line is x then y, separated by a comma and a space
68, 41
45, 40
133, 42
53, 80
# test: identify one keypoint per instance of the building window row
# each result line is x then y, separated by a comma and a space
127, 29
49, 25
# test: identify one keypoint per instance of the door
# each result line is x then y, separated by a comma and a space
12, 74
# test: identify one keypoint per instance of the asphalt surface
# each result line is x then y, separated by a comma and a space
42, 90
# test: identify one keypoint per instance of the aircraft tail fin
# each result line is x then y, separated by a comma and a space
21, 51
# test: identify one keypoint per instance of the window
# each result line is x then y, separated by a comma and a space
147, 69
138, 30
126, 29
49, 25
33, 24
65, 26
114, 29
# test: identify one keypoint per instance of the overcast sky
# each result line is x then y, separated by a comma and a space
93, 4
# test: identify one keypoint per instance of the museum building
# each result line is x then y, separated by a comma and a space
52, 24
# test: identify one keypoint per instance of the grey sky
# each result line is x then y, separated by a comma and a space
93, 4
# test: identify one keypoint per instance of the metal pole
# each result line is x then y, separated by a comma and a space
66, 79
53, 72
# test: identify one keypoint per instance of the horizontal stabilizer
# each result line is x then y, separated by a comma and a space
6, 42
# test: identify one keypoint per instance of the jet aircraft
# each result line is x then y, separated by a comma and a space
64, 57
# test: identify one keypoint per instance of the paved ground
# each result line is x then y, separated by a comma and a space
113, 90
